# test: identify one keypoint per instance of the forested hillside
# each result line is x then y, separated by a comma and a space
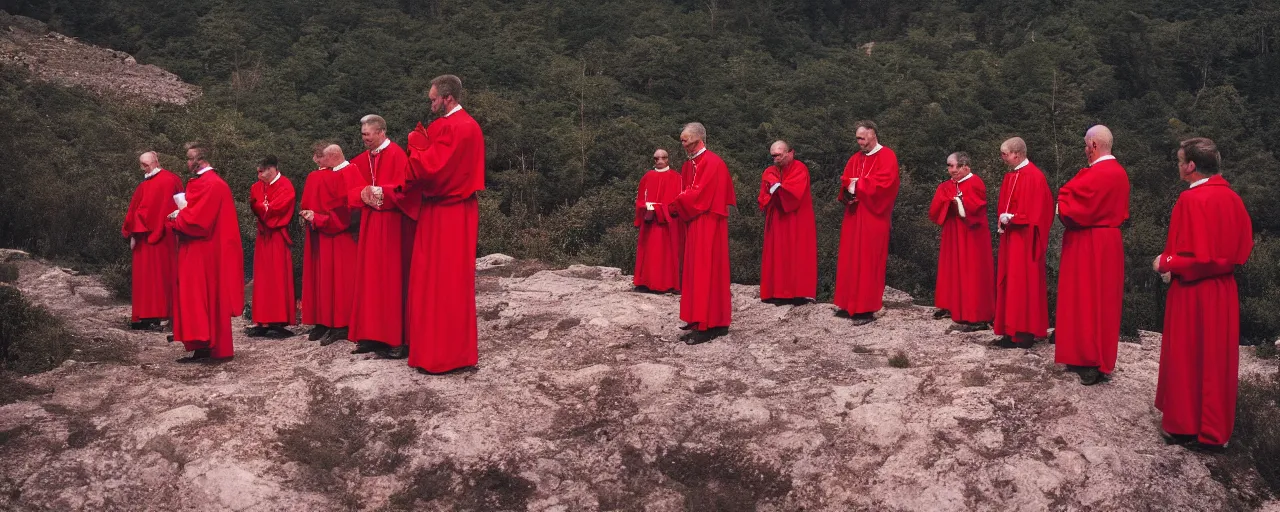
575, 95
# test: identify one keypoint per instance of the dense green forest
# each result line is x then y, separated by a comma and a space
574, 95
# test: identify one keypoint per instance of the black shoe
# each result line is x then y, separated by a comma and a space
1206, 448
699, 337
864, 318
1090, 376
256, 331
367, 346
170, 338
840, 313
689, 326
940, 314
1004, 342
400, 352
146, 324
1177, 439
317, 332
334, 335
199, 355
279, 332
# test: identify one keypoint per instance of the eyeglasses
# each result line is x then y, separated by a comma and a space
775, 155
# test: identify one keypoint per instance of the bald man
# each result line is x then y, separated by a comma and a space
155, 251
1092, 206
329, 250
705, 301
1024, 215
789, 260
661, 237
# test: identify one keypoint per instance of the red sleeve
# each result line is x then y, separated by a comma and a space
878, 190
282, 205
705, 194
256, 194
1196, 248
133, 221
845, 178
941, 203
768, 178
391, 177
200, 216
974, 199
1030, 199
794, 189
1096, 196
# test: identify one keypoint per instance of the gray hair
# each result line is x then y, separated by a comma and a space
697, 130
376, 121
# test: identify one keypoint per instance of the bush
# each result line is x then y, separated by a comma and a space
8, 273
31, 340
1256, 442
899, 360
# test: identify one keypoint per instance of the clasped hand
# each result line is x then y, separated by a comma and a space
372, 196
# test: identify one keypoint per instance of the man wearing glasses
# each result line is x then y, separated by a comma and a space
661, 239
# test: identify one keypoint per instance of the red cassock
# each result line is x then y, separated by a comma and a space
1209, 235
705, 299
789, 263
273, 297
661, 240
210, 267
1092, 206
155, 252
966, 271
384, 245
1022, 287
446, 170
864, 233
329, 252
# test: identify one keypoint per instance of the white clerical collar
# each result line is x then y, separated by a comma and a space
1024, 163
152, 173
454, 109
1199, 182
202, 171
664, 169
1101, 158
875, 149
385, 143
341, 166
273, 180
961, 180
700, 151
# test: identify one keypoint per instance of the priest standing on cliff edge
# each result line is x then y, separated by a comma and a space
704, 208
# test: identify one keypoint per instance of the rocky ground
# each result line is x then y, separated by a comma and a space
583, 400
56, 58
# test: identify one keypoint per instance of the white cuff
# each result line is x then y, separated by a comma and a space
960, 205
774, 188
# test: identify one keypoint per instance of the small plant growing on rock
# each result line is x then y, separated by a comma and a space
899, 360
8, 273
1265, 350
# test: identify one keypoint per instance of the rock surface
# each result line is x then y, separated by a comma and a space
583, 400
54, 57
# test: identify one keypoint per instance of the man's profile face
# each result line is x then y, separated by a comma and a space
1010, 158
193, 164
142, 164
372, 136
267, 174
318, 158
866, 139
660, 159
437, 102
1185, 168
955, 170
689, 142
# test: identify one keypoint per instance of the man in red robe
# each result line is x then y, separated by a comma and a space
705, 300
386, 237
1092, 205
789, 262
661, 240
446, 170
1210, 234
329, 251
155, 252
271, 198
868, 189
210, 263
966, 273
1025, 214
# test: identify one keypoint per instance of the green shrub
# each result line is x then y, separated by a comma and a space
8, 273
31, 340
899, 360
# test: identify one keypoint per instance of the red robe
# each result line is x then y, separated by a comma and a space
329, 251
446, 170
1209, 235
705, 299
1022, 287
273, 297
155, 254
966, 272
661, 240
864, 233
1092, 206
210, 267
382, 254
789, 262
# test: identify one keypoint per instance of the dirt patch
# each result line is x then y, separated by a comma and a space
722, 478
492, 486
